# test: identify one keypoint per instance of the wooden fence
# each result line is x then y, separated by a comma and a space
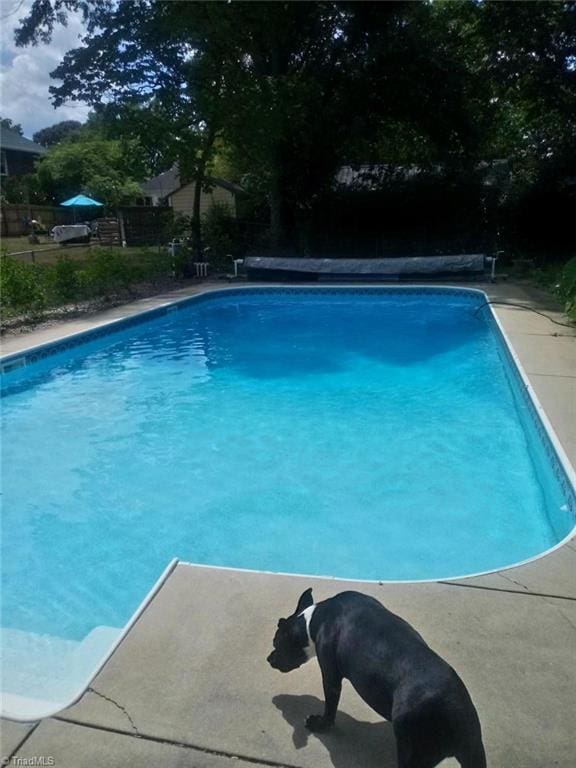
136, 225
14, 218
146, 225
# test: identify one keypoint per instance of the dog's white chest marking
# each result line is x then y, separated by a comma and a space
310, 649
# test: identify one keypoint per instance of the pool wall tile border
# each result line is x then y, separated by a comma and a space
518, 380
32, 710
520, 384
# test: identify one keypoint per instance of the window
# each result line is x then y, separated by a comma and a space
3, 164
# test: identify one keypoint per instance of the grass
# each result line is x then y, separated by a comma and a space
48, 252
17, 244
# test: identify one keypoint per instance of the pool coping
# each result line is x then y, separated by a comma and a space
209, 289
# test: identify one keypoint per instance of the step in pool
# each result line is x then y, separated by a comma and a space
49, 669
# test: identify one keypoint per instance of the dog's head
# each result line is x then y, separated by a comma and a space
291, 638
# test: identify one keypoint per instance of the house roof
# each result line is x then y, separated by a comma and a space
229, 185
368, 178
164, 184
10, 139
169, 182
372, 177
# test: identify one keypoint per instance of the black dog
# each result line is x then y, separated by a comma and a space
392, 669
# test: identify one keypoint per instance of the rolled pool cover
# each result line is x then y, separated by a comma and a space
394, 268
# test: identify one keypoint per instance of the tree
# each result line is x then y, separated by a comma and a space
207, 69
6, 122
286, 97
148, 59
100, 168
56, 133
296, 89
531, 53
158, 143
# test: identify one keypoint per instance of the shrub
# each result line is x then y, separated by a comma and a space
223, 236
106, 271
181, 227
29, 289
566, 287
63, 281
151, 265
24, 289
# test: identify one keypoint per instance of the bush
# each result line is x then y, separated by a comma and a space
29, 289
566, 287
106, 272
181, 227
24, 289
63, 281
151, 265
222, 234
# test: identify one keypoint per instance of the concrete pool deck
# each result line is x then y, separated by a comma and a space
189, 685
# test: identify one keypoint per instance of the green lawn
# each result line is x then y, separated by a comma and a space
16, 244
47, 252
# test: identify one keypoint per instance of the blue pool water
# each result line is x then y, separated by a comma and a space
355, 434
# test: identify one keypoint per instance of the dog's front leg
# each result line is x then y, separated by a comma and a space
332, 683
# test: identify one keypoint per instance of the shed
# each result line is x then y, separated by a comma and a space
220, 192
157, 190
167, 189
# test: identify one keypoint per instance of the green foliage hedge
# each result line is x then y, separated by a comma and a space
23, 288
29, 290
566, 287
224, 237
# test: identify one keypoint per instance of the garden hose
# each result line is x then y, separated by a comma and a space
529, 309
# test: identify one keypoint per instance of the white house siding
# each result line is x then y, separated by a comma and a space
182, 200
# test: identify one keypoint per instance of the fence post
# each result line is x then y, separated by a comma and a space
122, 228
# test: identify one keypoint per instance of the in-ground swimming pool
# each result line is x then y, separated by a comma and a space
361, 433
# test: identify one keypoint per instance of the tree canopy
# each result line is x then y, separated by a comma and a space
94, 166
291, 91
56, 133
6, 122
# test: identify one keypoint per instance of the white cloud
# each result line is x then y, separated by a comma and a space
25, 72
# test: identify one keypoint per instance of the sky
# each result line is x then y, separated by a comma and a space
25, 72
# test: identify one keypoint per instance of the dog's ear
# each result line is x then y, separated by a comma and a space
281, 623
306, 600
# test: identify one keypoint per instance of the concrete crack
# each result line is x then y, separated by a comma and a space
120, 707
561, 612
246, 759
513, 581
